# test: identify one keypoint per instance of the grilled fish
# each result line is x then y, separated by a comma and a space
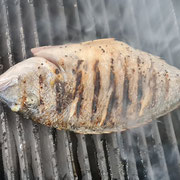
99, 86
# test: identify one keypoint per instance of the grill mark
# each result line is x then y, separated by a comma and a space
79, 103
79, 63
140, 91
58, 97
126, 101
167, 82
97, 86
40, 79
78, 81
112, 99
23, 104
154, 90
79, 91
78, 77
63, 96
140, 87
112, 76
40, 87
140, 79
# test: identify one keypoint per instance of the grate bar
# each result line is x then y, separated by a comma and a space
84, 162
171, 29
176, 6
114, 25
101, 156
58, 25
99, 16
42, 19
34, 142
10, 168
142, 155
30, 36
47, 151
86, 20
73, 21
129, 34
64, 157
114, 157
176, 115
131, 167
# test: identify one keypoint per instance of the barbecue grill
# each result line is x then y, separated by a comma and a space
33, 151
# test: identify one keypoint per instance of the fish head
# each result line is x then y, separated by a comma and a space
28, 85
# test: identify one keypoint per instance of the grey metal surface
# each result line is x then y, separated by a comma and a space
33, 151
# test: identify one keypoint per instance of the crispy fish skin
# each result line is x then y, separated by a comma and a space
94, 87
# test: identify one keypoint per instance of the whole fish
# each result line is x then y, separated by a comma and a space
94, 87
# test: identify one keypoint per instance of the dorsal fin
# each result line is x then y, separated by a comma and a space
37, 49
100, 41
93, 42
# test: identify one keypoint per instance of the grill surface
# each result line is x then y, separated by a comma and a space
33, 151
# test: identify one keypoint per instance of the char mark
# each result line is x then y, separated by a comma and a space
78, 82
23, 102
140, 91
112, 76
112, 99
79, 92
41, 87
40, 79
59, 93
78, 107
140, 84
126, 101
111, 104
97, 86
154, 90
79, 63
63, 96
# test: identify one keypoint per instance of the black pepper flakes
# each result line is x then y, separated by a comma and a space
57, 71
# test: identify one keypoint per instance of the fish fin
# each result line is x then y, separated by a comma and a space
38, 49
100, 41
52, 59
96, 41
5, 83
48, 57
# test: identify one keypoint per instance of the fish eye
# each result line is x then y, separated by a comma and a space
32, 100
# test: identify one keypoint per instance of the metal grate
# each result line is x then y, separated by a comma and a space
33, 151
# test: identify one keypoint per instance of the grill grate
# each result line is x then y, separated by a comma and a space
33, 151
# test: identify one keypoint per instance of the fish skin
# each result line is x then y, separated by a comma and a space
94, 87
